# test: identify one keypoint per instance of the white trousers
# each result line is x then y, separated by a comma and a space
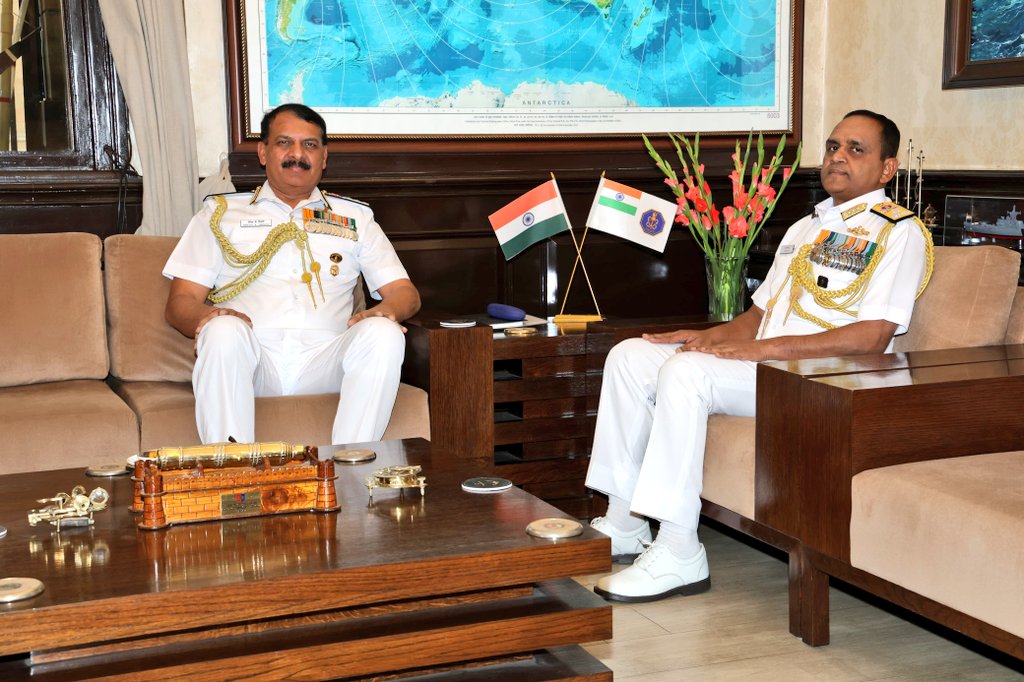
235, 364
652, 425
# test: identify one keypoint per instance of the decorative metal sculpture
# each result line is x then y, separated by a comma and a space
397, 477
70, 509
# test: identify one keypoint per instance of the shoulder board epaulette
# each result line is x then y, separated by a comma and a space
226, 194
354, 201
891, 211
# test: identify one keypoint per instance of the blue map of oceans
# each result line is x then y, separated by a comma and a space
505, 54
997, 29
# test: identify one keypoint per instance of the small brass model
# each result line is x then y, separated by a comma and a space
397, 477
74, 509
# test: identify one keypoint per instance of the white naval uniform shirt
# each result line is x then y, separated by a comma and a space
890, 293
278, 299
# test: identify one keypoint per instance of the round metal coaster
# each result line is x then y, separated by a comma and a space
486, 484
355, 456
554, 529
3, 532
16, 589
520, 331
107, 470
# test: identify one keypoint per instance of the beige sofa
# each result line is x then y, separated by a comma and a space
91, 373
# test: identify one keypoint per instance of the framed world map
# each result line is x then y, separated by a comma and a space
489, 68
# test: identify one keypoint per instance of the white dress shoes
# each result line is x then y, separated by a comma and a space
626, 547
657, 574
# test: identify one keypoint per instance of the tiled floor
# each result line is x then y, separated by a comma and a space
738, 631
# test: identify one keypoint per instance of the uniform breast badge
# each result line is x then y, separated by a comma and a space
320, 221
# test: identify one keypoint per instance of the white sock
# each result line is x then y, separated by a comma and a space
620, 518
682, 542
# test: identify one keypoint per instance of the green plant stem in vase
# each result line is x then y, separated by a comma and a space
725, 236
727, 286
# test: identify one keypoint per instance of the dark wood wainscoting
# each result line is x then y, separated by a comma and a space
75, 201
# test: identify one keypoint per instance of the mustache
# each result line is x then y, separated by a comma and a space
304, 165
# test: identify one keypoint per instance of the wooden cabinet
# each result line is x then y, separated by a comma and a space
530, 401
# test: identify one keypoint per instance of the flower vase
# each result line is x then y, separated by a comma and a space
727, 286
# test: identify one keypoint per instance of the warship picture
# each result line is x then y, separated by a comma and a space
1007, 227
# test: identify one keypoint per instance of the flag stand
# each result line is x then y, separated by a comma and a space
569, 319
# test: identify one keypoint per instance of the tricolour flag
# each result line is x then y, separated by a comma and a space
531, 218
631, 214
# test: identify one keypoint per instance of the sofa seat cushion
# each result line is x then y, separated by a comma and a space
949, 530
729, 463
64, 424
166, 411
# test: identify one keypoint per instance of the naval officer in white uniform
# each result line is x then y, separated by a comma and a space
857, 265
264, 282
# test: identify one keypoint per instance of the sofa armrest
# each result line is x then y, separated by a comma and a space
818, 427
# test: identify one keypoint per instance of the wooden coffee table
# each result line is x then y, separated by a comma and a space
444, 586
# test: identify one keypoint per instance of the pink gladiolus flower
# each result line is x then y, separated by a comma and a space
735, 177
738, 228
671, 183
700, 205
764, 174
682, 219
714, 214
692, 194
681, 201
728, 213
701, 169
740, 200
706, 222
786, 173
766, 191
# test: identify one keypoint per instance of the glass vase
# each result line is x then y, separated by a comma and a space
727, 286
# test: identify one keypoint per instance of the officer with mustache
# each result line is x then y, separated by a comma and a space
265, 282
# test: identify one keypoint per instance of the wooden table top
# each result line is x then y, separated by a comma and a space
114, 580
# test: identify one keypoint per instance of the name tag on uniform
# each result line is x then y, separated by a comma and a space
255, 222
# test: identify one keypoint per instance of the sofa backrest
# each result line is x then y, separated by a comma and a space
1015, 327
143, 347
53, 328
968, 301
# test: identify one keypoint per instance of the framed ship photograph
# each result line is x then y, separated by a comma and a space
477, 69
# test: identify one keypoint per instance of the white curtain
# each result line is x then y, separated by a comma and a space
147, 41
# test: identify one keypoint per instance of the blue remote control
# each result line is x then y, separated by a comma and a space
505, 312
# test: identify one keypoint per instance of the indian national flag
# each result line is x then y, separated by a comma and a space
631, 214
531, 218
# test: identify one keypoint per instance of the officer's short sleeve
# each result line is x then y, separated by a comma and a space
197, 256
378, 262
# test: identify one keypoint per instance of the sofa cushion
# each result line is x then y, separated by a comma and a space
64, 424
729, 463
143, 347
167, 413
949, 530
951, 314
53, 327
